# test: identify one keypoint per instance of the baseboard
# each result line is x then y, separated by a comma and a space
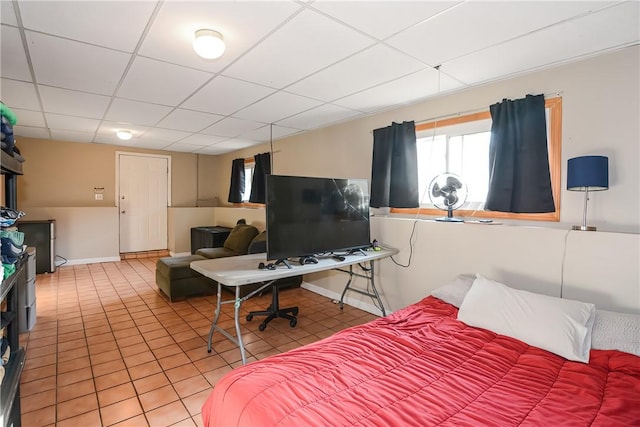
369, 308
87, 261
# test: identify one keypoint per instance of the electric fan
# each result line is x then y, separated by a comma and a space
447, 192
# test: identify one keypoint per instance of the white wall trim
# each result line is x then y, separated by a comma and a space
369, 308
174, 254
88, 261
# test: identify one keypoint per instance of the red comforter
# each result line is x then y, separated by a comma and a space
422, 367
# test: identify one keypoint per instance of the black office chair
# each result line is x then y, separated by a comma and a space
259, 244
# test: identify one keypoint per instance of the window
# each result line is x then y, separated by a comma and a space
462, 149
248, 179
460, 145
249, 165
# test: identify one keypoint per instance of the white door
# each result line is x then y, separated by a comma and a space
143, 190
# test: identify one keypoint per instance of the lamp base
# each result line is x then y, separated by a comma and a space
584, 228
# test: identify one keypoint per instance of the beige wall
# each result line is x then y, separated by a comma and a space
601, 106
572, 264
59, 173
84, 235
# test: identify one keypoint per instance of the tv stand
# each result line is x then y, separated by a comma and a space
283, 261
308, 260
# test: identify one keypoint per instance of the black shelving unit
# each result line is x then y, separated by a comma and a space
208, 237
10, 388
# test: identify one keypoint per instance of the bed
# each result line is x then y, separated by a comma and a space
423, 366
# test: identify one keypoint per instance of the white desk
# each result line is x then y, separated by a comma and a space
243, 270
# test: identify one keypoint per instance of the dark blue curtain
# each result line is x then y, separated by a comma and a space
236, 189
261, 169
519, 177
394, 169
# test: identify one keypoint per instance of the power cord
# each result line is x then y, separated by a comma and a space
564, 255
413, 230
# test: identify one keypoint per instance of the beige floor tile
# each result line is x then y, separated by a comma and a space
116, 394
109, 349
77, 406
120, 411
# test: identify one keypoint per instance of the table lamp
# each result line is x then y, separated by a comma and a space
587, 173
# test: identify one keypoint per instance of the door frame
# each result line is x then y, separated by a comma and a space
135, 154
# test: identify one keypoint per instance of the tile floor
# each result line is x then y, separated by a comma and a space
109, 350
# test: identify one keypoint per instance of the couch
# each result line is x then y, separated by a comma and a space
176, 279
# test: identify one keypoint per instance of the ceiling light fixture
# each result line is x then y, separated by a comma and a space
209, 44
124, 135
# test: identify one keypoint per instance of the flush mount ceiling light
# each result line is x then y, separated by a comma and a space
209, 44
124, 135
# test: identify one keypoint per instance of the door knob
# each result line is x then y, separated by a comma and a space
123, 212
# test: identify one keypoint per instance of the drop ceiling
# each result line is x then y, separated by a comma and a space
80, 70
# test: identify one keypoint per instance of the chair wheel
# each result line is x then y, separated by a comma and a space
249, 317
293, 323
209, 351
295, 311
262, 326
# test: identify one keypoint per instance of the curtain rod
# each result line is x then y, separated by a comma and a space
272, 152
477, 110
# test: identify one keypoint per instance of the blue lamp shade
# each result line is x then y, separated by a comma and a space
588, 173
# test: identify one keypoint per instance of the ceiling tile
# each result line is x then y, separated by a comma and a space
70, 135
476, 25
13, 61
139, 113
112, 139
264, 133
31, 132
277, 107
213, 150
382, 19
7, 13
164, 135
110, 128
242, 25
189, 121
147, 143
236, 144
225, 96
17, 94
73, 103
203, 140
406, 90
319, 117
371, 67
28, 118
99, 18
304, 45
185, 148
73, 65
147, 75
615, 26
305, 64
231, 127
80, 124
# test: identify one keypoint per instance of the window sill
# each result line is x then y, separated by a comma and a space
249, 205
550, 217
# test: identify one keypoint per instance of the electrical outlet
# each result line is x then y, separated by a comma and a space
98, 196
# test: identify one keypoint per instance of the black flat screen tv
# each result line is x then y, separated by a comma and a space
309, 216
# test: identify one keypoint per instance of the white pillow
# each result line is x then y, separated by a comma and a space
557, 325
455, 291
616, 331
